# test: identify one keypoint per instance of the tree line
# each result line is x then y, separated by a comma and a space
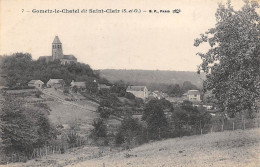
19, 69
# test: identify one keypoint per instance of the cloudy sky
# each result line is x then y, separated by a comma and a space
120, 41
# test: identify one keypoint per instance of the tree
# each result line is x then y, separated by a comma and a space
186, 113
232, 62
16, 69
175, 90
99, 129
119, 87
187, 85
155, 118
130, 128
23, 128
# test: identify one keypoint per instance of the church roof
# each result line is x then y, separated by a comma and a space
56, 40
70, 57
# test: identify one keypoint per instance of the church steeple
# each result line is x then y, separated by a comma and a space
57, 49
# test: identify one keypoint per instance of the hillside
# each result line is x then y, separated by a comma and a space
229, 148
152, 76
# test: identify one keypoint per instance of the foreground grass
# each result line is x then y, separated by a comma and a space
229, 148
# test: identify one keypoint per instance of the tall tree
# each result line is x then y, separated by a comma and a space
23, 128
16, 69
155, 118
232, 62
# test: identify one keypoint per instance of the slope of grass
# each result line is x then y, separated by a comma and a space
229, 148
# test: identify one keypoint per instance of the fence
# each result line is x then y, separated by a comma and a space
42, 151
179, 129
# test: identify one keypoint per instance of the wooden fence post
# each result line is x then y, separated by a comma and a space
244, 125
222, 128
233, 126
200, 128
159, 133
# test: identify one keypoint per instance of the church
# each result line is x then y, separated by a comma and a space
57, 54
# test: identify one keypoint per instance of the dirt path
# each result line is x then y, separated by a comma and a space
57, 98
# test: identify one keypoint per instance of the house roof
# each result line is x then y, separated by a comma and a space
56, 81
33, 81
103, 86
78, 84
70, 57
193, 92
135, 88
56, 40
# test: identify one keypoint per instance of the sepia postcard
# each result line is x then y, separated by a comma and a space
133, 83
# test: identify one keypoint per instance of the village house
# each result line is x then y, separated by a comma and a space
79, 85
138, 91
193, 95
36, 83
55, 83
57, 54
103, 86
158, 94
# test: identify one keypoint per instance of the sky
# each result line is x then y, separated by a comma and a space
149, 41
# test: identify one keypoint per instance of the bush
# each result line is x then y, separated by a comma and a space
66, 91
99, 129
72, 139
119, 138
38, 94
128, 131
104, 112
129, 96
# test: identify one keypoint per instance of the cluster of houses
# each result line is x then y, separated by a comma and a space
60, 83
138, 91
143, 93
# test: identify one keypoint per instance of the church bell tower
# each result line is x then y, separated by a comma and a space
57, 49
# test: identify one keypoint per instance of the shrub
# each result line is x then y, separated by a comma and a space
105, 112
99, 129
38, 94
66, 91
129, 95
128, 131
72, 139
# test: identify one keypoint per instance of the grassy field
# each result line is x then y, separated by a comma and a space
229, 148
68, 114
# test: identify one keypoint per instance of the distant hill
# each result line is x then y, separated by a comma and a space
153, 76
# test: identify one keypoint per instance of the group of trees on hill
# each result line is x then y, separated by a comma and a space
24, 128
184, 120
176, 90
19, 68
